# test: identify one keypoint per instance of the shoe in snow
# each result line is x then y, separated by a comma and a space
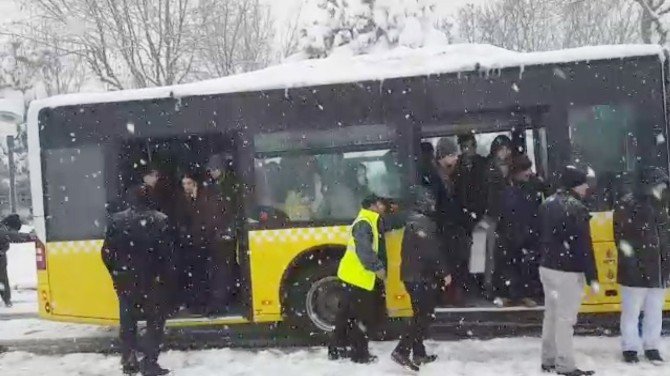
404, 361
153, 369
129, 364
528, 303
654, 357
548, 368
365, 359
335, 353
630, 357
424, 359
9, 304
577, 372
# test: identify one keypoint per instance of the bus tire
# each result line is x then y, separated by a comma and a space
312, 299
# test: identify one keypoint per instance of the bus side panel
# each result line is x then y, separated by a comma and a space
271, 252
397, 298
43, 294
79, 283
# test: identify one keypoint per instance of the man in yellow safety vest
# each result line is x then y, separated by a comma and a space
361, 269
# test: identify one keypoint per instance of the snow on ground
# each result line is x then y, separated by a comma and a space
25, 302
21, 266
499, 357
36, 329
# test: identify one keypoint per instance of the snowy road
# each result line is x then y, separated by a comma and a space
499, 357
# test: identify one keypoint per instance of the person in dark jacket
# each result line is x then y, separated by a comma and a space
423, 265
567, 262
9, 233
470, 179
518, 236
454, 222
361, 270
203, 226
642, 233
138, 253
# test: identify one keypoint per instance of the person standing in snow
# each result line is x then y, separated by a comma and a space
566, 260
424, 269
642, 233
138, 253
9, 233
361, 271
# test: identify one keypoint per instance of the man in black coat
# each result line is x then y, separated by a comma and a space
518, 237
567, 264
9, 233
423, 268
642, 233
138, 255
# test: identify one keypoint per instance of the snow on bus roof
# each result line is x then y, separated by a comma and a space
400, 62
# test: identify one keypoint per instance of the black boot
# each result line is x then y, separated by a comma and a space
424, 359
335, 353
654, 356
548, 368
577, 372
153, 369
129, 364
630, 357
365, 359
404, 361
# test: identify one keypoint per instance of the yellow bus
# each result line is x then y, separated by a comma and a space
309, 138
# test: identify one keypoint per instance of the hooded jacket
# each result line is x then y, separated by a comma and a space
422, 258
642, 233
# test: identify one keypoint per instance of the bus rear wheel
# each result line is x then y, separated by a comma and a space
313, 299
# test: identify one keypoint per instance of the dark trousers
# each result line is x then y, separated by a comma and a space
194, 280
355, 320
222, 277
128, 318
424, 300
516, 273
5, 288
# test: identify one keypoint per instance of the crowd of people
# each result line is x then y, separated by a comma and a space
548, 241
170, 251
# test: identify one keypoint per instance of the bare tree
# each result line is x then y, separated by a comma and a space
535, 25
652, 25
290, 32
239, 33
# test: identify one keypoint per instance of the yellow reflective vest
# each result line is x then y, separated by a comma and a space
351, 270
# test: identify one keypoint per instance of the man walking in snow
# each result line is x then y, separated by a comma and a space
9, 233
424, 270
361, 270
642, 233
138, 255
566, 259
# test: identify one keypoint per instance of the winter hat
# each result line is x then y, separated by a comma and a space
572, 177
520, 163
651, 176
219, 162
13, 221
445, 147
500, 142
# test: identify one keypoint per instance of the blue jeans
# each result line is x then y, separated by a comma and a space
634, 300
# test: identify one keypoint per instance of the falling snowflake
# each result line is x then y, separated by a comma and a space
626, 248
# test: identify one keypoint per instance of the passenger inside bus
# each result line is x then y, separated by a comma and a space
476, 195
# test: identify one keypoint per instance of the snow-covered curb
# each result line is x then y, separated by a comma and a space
499, 357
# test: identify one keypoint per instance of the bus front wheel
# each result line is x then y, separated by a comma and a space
313, 299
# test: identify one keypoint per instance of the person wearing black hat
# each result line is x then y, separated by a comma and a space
424, 268
361, 271
9, 233
642, 233
138, 254
518, 240
567, 263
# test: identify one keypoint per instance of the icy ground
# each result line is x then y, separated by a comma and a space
499, 357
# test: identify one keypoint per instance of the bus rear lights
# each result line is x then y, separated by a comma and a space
44, 295
47, 307
400, 297
40, 256
266, 302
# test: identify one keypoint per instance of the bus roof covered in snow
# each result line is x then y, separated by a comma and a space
401, 62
